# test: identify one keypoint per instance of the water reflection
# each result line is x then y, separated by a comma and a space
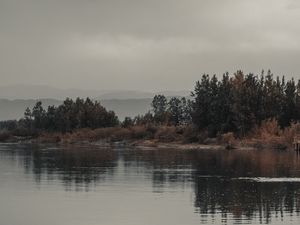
227, 186
77, 166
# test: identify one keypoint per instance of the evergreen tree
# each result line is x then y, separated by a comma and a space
38, 113
159, 107
175, 111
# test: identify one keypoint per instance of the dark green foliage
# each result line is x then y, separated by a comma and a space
179, 110
175, 111
39, 114
144, 119
68, 116
128, 122
8, 125
238, 103
159, 106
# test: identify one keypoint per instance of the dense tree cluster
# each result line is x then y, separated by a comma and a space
8, 125
175, 111
240, 102
66, 117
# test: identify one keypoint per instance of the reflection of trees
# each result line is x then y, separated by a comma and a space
74, 165
248, 199
229, 195
168, 168
246, 163
211, 174
214, 174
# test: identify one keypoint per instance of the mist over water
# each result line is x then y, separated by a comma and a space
89, 184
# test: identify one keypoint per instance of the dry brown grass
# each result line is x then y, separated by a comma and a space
229, 140
291, 133
112, 134
167, 134
269, 134
190, 135
49, 137
139, 132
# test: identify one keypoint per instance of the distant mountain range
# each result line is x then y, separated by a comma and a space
13, 92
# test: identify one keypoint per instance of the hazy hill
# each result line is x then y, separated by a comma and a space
128, 107
140, 94
42, 91
14, 109
46, 92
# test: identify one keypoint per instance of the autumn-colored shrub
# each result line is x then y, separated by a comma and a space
139, 132
269, 134
228, 139
49, 137
268, 129
151, 129
121, 134
166, 134
291, 133
190, 134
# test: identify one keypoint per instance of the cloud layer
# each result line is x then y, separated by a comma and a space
145, 45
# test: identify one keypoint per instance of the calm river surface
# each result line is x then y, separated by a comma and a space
91, 185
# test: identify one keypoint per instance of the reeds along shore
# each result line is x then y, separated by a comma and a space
268, 135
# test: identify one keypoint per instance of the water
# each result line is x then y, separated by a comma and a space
89, 185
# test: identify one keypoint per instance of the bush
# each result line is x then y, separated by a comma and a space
121, 134
139, 132
229, 140
128, 122
4, 135
50, 138
190, 135
167, 133
291, 133
269, 134
151, 129
268, 129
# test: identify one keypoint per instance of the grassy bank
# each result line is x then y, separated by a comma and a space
268, 135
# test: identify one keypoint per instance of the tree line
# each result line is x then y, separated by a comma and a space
173, 111
66, 117
240, 102
235, 103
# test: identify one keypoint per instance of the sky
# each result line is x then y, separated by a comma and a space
144, 45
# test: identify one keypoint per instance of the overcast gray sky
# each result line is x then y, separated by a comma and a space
144, 44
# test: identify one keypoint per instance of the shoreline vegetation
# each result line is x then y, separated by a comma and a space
267, 136
238, 111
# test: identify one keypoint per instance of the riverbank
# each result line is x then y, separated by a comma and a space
137, 144
267, 136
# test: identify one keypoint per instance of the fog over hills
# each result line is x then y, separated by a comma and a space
15, 99
13, 92
14, 109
